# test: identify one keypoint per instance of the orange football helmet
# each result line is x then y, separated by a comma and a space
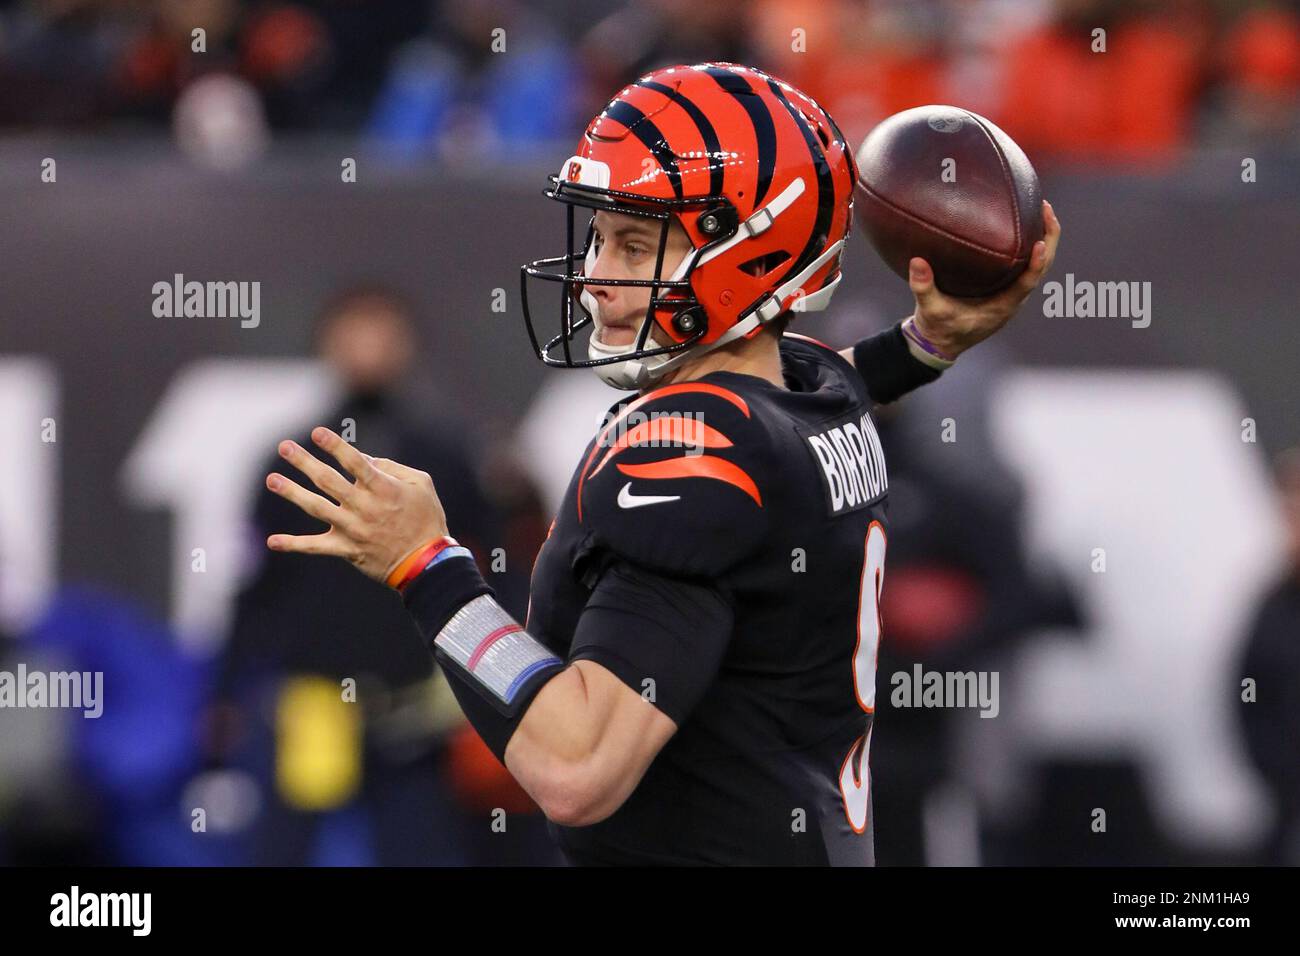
756, 173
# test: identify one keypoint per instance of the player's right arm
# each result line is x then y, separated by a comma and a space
943, 326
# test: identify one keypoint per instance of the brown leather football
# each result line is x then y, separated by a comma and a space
947, 185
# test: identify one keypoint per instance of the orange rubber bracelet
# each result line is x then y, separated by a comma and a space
415, 562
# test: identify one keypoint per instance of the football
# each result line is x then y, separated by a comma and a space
949, 186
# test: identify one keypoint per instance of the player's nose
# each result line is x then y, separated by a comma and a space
601, 269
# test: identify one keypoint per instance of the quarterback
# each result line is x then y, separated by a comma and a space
695, 680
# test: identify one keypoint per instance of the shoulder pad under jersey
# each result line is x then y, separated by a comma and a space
679, 481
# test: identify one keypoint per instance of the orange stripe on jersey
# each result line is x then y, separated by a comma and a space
705, 388
697, 466
679, 431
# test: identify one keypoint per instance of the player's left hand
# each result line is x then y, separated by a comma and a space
380, 517
953, 324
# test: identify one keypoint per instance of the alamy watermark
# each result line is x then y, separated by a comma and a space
208, 300
82, 690
75, 908
1085, 299
948, 689
655, 429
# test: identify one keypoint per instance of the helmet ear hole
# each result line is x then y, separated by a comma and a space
760, 266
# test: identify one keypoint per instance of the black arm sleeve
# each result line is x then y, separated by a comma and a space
662, 636
433, 599
888, 367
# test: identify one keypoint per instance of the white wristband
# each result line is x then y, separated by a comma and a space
493, 648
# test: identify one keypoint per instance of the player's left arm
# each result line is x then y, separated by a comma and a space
578, 736
646, 649
584, 744
917, 350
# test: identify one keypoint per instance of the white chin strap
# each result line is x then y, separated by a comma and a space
640, 373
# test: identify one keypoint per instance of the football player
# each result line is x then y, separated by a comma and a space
695, 680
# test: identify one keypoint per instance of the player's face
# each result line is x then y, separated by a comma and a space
626, 248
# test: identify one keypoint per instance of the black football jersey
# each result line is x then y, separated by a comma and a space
776, 497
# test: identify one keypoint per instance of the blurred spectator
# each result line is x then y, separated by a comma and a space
462, 80
489, 76
1271, 657
868, 60
321, 64
364, 781
643, 35
153, 59
103, 789
959, 595
130, 765
1132, 102
1259, 95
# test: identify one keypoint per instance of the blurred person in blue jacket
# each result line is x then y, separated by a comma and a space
488, 77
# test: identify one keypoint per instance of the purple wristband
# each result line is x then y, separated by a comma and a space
930, 354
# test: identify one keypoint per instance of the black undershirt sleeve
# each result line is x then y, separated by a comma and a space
433, 599
663, 637
888, 367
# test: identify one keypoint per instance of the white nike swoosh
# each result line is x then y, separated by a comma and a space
628, 500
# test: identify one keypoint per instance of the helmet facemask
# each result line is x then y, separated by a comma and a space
673, 303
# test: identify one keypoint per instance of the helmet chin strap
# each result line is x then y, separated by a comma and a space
630, 373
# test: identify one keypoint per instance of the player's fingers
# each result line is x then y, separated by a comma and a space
397, 469
328, 543
1040, 259
1033, 273
1052, 237
920, 277
308, 501
322, 475
354, 462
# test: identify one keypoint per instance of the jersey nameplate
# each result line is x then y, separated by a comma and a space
850, 461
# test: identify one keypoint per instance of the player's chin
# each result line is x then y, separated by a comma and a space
617, 335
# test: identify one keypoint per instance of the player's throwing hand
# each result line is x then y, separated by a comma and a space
375, 520
954, 324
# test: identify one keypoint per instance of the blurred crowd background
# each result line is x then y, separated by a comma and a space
131, 543
426, 76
